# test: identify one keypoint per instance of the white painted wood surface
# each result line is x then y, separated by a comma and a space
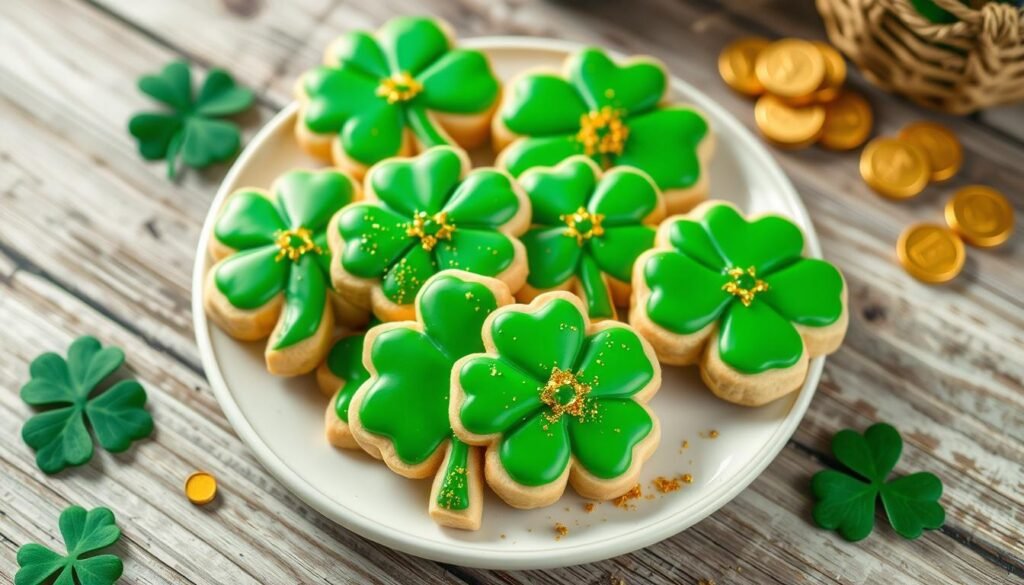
94, 240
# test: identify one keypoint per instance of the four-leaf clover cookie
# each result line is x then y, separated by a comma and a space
68, 389
339, 376
271, 277
85, 533
557, 399
846, 502
423, 215
401, 90
738, 297
588, 229
611, 113
400, 414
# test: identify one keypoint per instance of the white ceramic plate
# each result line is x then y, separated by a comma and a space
282, 419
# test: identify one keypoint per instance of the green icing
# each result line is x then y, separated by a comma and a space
345, 360
688, 284
377, 86
407, 400
454, 492
265, 231
603, 241
553, 115
380, 236
540, 431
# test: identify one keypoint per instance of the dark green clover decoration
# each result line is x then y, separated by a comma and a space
69, 389
85, 533
191, 129
846, 501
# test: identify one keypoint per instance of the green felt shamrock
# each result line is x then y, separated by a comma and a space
191, 130
84, 534
59, 435
378, 91
609, 112
846, 502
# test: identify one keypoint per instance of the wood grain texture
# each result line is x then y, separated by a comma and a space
94, 240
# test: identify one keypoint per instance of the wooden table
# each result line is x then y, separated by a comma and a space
93, 240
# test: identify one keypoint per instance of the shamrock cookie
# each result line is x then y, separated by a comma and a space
272, 271
556, 399
393, 93
339, 376
738, 297
400, 414
587, 231
423, 215
613, 114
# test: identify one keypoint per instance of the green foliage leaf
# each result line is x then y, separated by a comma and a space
190, 130
60, 436
847, 504
85, 533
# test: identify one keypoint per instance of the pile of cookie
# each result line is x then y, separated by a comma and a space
470, 324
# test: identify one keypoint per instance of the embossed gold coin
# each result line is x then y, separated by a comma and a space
788, 126
791, 69
848, 122
736, 65
981, 215
835, 73
931, 253
201, 488
894, 168
945, 154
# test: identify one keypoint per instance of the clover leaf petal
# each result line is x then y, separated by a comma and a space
559, 191
807, 292
683, 305
756, 338
498, 395
359, 50
543, 105
663, 143
847, 504
334, 96
345, 361
424, 183
310, 199
84, 533
412, 43
537, 451
690, 238
553, 257
443, 87
767, 243
630, 372
551, 337
190, 130
452, 300
539, 151
375, 238
59, 435
617, 249
623, 198
594, 288
252, 276
405, 277
485, 198
249, 219
479, 251
603, 442
305, 296
632, 88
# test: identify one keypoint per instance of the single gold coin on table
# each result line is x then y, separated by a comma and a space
201, 488
931, 253
894, 168
791, 69
945, 154
981, 215
848, 122
788, 126
736, 65
835, 73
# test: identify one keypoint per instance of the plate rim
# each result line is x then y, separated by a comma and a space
561, 556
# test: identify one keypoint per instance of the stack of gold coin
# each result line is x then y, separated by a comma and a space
799, 86
900, 168
976, 214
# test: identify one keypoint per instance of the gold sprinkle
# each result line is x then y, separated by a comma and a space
744, 284
686, 478
666, 485
201, 488
294, 244
400, 87
602, 132
560, 530
582, 225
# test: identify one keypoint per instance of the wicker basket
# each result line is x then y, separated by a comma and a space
973, 63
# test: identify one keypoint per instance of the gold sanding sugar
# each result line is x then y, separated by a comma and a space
665, 484
201, 488
560, 530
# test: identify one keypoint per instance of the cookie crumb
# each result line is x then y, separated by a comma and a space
684, 445
712, 434
686, 478
561, 530
588, 507
623, 500
666, 485
503, 535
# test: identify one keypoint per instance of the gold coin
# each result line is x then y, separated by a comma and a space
736, 65
835, 73
940, 145
894, 168
201, 488
981, 215
792, 69
848, 122
788, 126
931, 253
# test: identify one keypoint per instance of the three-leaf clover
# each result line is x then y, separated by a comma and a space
190, 130
59, 435
846, 502
84, 534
